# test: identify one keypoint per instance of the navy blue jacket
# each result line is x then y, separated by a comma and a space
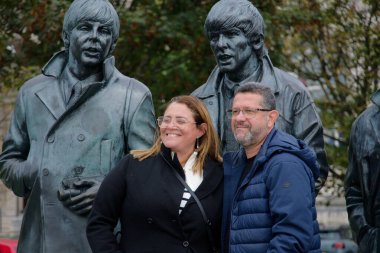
273, 209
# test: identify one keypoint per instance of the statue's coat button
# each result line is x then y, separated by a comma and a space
51, 139
81, 137
45, 172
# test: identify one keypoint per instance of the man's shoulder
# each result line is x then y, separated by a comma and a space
287, 80
135, 85
363, 121
199, 91
205, 90
36, 82
210, 86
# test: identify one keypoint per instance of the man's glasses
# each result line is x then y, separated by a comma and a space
163, 121
247, 112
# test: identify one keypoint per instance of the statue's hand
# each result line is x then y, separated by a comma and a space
80, 198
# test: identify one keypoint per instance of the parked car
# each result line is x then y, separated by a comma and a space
8, 245
337, 241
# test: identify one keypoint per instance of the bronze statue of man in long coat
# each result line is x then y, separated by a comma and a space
70, 126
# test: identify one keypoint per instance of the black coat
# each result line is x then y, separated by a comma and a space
363, 176
146, 195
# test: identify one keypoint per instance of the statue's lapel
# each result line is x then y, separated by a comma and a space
51, 97
376, 125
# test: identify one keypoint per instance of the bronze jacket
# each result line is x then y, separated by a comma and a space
48, 143
298, 115
362, 182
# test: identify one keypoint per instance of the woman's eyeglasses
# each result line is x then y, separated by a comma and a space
164, 121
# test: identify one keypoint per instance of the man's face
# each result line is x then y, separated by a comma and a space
90, 42
231, 49
250, 131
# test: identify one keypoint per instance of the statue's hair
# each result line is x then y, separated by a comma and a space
99, 10
268, 102
227, 14
208, 143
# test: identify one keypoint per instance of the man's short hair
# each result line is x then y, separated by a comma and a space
241, 14
269, 101
99, 10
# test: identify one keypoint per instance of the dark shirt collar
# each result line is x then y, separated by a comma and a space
72, 80
68, 80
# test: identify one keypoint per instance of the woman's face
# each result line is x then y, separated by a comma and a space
179, 130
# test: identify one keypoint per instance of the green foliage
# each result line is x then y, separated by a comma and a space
162, 44
335, 44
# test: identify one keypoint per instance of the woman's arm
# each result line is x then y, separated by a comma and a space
106, 211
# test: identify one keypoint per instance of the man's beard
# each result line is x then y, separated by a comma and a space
247, 139
251, 137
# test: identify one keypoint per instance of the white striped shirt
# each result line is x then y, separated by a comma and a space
192, 179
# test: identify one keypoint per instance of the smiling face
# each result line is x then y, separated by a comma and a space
251, 132
180, 138
90, 43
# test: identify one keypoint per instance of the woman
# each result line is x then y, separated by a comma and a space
156, 213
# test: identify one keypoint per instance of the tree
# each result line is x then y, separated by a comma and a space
336, 45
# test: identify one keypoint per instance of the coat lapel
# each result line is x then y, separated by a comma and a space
212, 179
51, 97
375, 123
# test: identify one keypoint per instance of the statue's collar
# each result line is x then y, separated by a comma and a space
57, 63
376, 98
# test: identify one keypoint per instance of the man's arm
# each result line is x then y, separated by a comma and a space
106, 211
140, 121
15, 171
291, 203
308, 127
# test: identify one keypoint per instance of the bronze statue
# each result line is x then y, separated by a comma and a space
235, 30
70, 126
362, 178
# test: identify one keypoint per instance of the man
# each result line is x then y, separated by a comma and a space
70, 126
235, 30
362, 178
269, 198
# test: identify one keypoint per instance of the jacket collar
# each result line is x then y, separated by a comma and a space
57, 63
211, 87
376, 98
212, 173
49, 93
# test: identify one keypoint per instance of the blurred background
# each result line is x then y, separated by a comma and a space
333, 46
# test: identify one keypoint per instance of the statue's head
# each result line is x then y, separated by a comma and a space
96, 16
237, 18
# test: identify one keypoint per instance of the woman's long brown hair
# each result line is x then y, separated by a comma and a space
208, 143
